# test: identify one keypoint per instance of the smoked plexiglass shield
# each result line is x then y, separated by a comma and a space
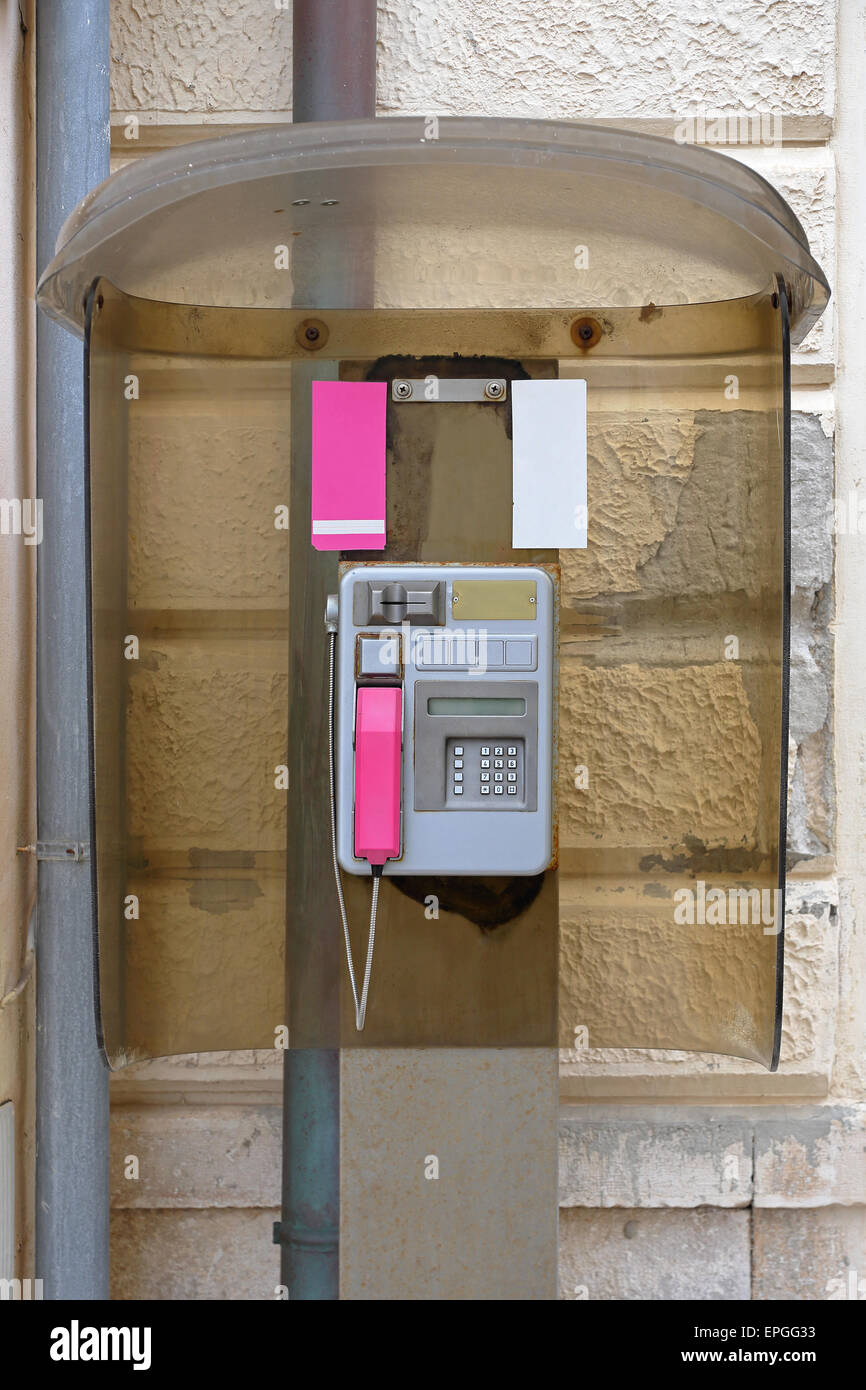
212, 299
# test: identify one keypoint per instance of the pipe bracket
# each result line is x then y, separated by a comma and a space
76, 850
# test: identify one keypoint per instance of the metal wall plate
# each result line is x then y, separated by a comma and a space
436, 388
480, 600
463, 1140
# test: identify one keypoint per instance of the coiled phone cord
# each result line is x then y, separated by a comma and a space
376, 869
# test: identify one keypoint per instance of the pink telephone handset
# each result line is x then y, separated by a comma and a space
378, 771
378, 736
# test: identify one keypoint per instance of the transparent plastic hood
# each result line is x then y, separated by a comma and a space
489, 214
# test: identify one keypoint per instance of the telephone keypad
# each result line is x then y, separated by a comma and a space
468, 775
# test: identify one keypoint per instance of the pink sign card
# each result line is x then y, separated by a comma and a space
349, 465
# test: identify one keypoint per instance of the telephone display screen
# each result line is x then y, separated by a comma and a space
475, 705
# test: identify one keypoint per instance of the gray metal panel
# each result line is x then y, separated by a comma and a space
485, 1228
432, 734
451, 841
422, 390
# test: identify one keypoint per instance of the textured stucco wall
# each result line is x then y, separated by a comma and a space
604, 61
171, 56
677, 1210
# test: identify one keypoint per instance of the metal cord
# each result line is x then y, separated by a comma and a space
360, 1006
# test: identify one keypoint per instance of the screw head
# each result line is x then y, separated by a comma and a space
494, 390
402, 390
311, 334
586, 332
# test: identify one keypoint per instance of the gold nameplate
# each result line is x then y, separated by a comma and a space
494, 599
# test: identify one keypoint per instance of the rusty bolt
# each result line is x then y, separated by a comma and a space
585, 332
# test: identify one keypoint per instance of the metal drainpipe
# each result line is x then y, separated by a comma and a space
334, 76
72, 156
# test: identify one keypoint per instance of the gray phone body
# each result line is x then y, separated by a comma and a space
490, 681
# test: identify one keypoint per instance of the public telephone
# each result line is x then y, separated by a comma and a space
441, 724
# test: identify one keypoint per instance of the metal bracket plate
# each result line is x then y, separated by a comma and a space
430, 389
76, 850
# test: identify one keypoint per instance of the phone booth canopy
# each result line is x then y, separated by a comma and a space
458, 267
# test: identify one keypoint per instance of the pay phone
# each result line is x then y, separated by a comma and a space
441, 724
